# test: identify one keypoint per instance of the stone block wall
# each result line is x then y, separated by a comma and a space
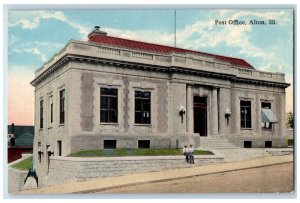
16, 179
68, 169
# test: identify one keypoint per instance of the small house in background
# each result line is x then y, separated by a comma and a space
20, 140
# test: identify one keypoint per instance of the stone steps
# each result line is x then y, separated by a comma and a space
242, 154
216, 143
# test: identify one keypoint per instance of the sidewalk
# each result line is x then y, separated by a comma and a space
133, 179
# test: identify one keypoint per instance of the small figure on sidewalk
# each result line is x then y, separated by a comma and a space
185, 153
190, 152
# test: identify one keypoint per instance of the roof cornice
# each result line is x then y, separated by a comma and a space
141, 66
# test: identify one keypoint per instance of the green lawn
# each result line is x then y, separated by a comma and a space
26, 164
133, 152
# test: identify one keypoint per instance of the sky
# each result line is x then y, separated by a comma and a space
34, 36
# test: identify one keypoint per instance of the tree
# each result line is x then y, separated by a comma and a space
290, 120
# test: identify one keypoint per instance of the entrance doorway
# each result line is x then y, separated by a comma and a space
200, 115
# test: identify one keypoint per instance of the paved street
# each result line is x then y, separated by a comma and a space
269, 179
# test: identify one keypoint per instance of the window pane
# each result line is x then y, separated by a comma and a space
41, 113
103, 116
62, 117
142, 107
146, 95
138, 105
109, 105
103, 91
138, 117
113, 92
113, 117
104, 102
146, 117
109, 91
266, 105
62, 94
146, 106
62, 106
51, 113
137, 94
246, 103
113, 103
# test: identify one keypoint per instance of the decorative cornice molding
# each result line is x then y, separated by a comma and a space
139, 66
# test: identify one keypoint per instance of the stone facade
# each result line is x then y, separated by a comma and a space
174, 80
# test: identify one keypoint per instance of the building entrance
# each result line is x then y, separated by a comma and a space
200, 115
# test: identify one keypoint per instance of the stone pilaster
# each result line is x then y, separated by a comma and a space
189, 110
214, 112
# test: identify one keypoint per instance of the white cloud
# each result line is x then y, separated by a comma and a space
31, 20
12, 40
208, 35
32, 51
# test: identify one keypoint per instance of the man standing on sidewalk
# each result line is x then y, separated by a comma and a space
185, 153
190, 152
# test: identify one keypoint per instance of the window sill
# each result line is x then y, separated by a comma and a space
246, 128
267, 129
61, 125
41, 129
50, 127
115, 124
141, 124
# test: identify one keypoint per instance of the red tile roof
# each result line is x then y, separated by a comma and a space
138, 45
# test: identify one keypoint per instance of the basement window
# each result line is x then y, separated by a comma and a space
144, 144
110, 144
247, 144
268, 144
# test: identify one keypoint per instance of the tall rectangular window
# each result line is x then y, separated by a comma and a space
142, 107
62, 106
108, 105
39, 152
266, 105
41, 114
59, 148
51, 108
245, 114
